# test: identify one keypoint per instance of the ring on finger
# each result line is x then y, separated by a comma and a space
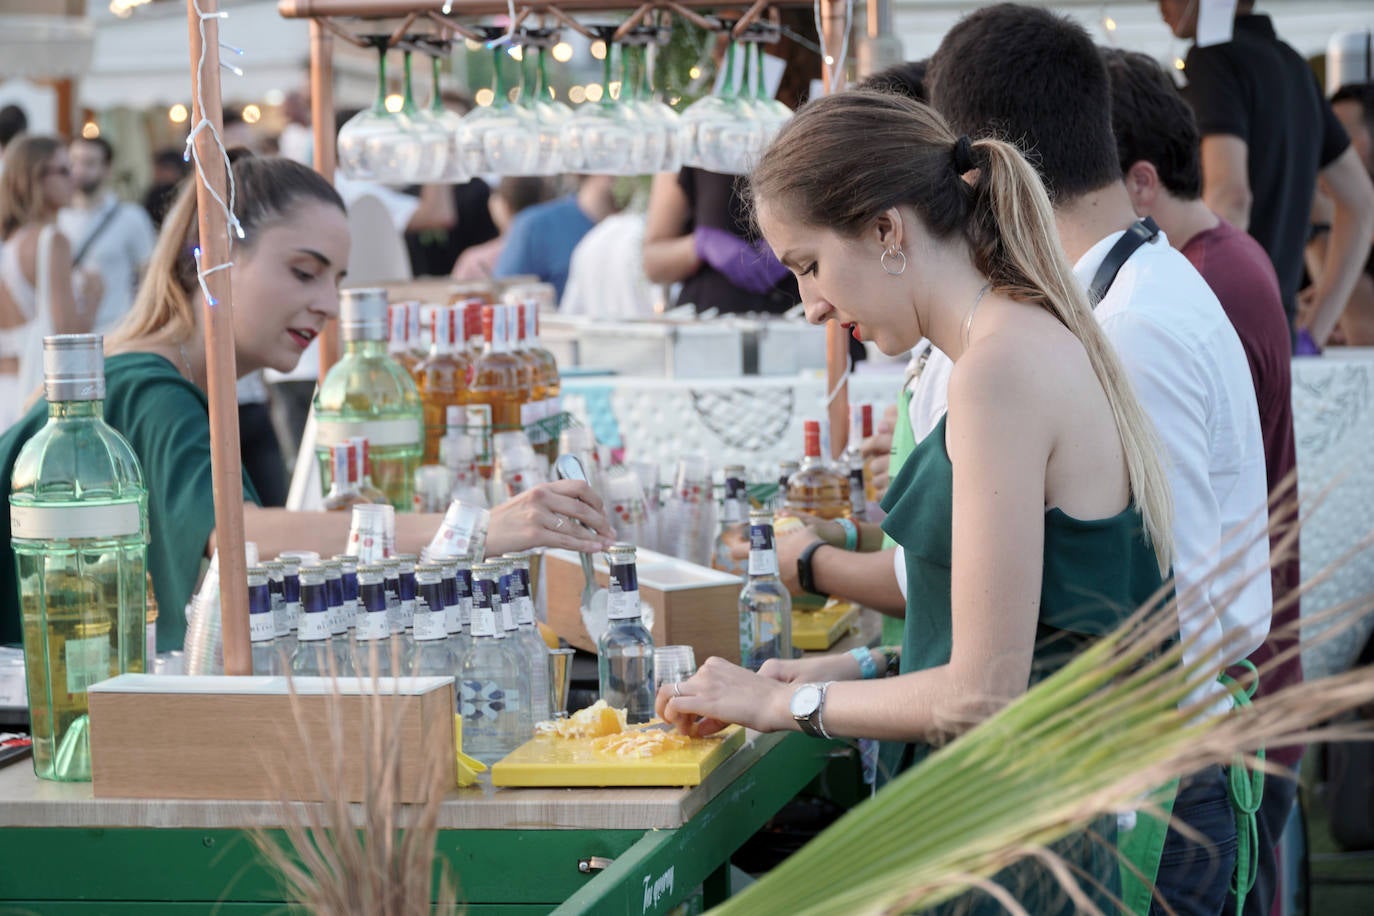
562, 519
677, 688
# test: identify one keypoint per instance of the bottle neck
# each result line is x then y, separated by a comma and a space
365, 347
763, 556
72, 410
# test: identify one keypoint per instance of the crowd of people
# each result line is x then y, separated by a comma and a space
1099, 282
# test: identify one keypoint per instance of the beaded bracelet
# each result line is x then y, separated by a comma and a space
868, 668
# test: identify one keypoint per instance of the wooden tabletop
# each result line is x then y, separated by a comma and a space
26, 801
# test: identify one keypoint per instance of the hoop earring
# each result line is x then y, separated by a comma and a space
901, 268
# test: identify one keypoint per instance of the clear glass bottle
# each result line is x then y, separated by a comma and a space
344, 479
817, 488
497, 394
432, 655
531, 372
79, 529
375, 651
314, 649
442, 378
461, 451
458, 603
508, 626
291, 596
338, 617
733, 515
348, 577
493, 688
527, 635
262, 628
860, 428
549, 376
765, 607
786, 468
368, 394
625, 652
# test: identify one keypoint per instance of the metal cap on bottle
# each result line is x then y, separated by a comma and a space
363, 314
74, 367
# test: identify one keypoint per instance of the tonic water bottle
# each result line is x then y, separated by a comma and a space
79, 529
493, 687
314, 656
765, 607
625, 652
262, 628
368, 394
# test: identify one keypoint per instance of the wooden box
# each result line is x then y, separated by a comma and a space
690, 605
247, 737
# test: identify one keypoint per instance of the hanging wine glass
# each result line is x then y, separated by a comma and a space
501, 138
652, 109
447, 121
363, 144
550, 115
769, 114
635, 95
718, 131
602, 137
422, 148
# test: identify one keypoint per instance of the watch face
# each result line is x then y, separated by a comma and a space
805, 700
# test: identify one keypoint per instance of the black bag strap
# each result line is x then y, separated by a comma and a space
1141, 231
94, 234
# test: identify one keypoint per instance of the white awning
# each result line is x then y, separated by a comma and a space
44, 47
144, 61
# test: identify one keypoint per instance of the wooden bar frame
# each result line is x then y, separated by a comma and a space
212, 179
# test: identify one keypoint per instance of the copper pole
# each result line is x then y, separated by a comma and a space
322, 124
217, 320
836, 340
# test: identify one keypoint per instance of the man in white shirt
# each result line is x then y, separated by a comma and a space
112, 237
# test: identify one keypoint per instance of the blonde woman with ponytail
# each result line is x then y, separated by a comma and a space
1036, 515
285, 285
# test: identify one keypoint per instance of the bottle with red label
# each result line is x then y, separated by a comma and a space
497, 390
817, 488
860, 428
344, 477
442, 378
403, 319
366, 488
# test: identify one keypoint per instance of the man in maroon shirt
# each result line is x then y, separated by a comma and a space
1158, 145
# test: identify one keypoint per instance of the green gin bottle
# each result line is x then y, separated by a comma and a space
79, 523
368, 394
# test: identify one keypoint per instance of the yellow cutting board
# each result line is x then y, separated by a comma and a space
816, 631
548, 760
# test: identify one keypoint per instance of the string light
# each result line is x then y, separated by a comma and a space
90, 130
484, 97
395, 102
694, 73
599, 49
577, 95
1109, 24
1178, 63
594, 92
192, 154
178, 114
562, 52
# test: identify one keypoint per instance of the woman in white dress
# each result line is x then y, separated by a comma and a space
40, 292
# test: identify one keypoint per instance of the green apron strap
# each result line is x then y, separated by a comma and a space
903, 444
1246, 789
1143, 846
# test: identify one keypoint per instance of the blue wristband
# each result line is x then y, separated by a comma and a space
851, 534
867, 667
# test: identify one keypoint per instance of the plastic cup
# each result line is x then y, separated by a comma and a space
673, 664
560, 680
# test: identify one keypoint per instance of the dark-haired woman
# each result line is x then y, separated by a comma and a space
1036, 515
285, 286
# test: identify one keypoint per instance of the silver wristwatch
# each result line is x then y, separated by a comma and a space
807, 704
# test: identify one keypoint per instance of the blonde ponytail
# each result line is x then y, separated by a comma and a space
1028, 263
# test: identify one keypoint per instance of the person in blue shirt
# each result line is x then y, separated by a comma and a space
541, 239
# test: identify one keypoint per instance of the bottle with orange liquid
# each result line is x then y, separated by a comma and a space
344, 478
497, 391
403, 319
442, 378
817, 488
548, 380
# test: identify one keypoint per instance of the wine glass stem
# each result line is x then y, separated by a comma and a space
408, 97
498, 78
606, 72
436, 102
542, 78
728, 89
379, 106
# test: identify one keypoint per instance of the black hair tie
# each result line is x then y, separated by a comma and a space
962, 156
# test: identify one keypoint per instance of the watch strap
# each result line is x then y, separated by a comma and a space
814, 724
804, 575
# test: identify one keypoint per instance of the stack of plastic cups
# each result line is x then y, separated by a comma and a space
626, 508
689, 521
367, 536
433, 488
647, 472
463, 531
518, 468
204, 646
